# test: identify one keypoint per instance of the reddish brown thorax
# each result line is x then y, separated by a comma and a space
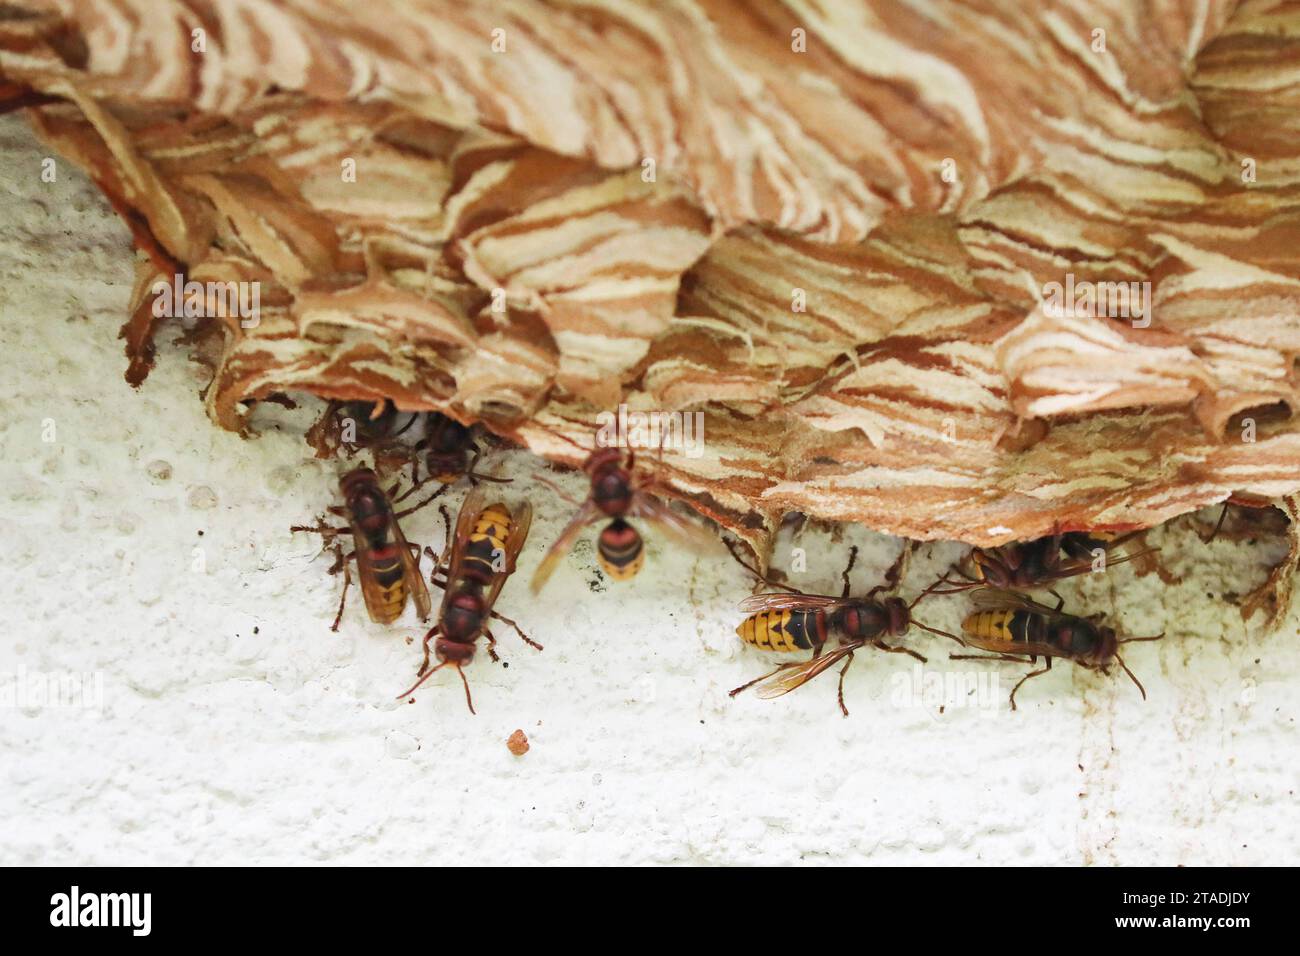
464, 616
367, 504
1086, 641
864, 620
611, 484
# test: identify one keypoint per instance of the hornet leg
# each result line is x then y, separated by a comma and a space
844, 670
342, 562
1041, 670
853, 556
897, 650
424, 666
989, 657
527, 640
415, 508
894, 573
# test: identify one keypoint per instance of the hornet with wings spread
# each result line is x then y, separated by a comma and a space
619, 493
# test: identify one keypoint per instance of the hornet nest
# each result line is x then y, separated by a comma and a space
977, 271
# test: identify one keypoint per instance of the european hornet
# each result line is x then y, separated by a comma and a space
795, 620
376, 426
450, 453
447, 445
474, 565
1015, 628
1038, 564
385, 565
619, 493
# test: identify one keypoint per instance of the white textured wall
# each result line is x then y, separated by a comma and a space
215, 744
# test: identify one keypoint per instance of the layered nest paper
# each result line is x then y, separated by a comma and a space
555, 208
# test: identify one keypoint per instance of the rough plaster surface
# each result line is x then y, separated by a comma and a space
235, 728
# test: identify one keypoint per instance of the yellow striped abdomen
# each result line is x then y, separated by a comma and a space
783, 630
392, 599
994, 625
385, 584
487, 542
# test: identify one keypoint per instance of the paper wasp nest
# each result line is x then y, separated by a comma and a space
968, 271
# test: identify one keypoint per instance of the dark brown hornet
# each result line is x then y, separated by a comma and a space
1014, 628
375, 426
450, 453
618, 492
1040, 563
448, 448
794, 621
387, 565
474, 566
